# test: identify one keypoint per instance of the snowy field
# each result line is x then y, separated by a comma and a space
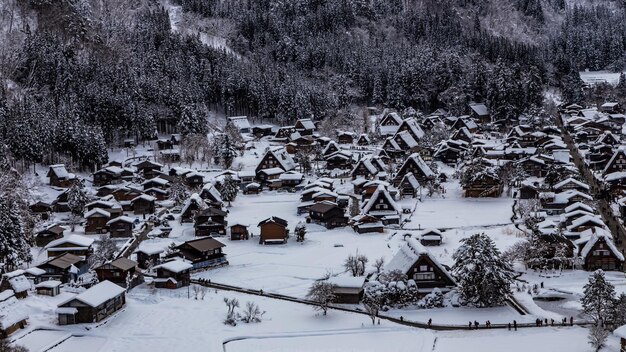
542, 340
596, 77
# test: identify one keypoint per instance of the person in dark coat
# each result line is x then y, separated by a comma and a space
515, 324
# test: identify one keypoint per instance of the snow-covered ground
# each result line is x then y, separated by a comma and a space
596, 77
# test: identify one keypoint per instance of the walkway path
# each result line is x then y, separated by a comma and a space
440, 327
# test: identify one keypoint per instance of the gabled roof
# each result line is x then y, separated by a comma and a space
98, 212
122, 218
407, 256
60, 171
175, 266
380, 192
621, 150
204, 244
275, 220
63, 261
98, 294
240, 122
594, 219
578, 205
410, 178
284, 159
306, 124
417, 159
121, 263
479, 109
594, 238
571, 180
77, 240
414, 128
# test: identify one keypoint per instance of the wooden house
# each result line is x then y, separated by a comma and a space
363, 140
194, 179
599, 252
328, 214
210, 222
389, 123
97, 221
621, 333
65, 268
42, 209
409, 186
74, 244
484, 184
111, 175
121, 272
339, 160
211, 195
276, 158
121, 226
367, 224
262, 131
273, 230
93, 305
344, 137
173, 274
156, 182
330, 148
60, 177
239, 232
418, 264
382, 206
143, 204
240, 123
415, 165
479, 112
148, 254
369, 167
571, 183
203, 252
617, 163
305, 127
50, 233
412, 127
149, 169
191, 207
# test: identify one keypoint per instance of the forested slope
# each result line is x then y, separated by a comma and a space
81, 74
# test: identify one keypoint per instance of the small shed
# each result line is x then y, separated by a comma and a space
347, 289
48, 288
92, 305
431, 237
239, 232
121, 226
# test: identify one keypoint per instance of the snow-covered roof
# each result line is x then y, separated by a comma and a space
410, 178
77, 240
19, 283
150, 248
414, 127
480, 109
48, 284
584, 219
578, 205
347, 281
156, 180
123, 218
291, 176
381, 192
11, 312
175, 266
620, 332
97, 211
60, 171
240, 122
98, 294
307, 124
145, 197
415, 157
284, 159
35, 271
408, 254
593, 239
565, 196
571, 180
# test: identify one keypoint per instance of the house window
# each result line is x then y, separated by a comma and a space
424, 276
116, 274
600, 253
424, 268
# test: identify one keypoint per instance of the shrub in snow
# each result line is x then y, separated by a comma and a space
434, 299
252, 313
300, 232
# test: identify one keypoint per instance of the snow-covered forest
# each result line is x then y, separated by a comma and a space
79, 75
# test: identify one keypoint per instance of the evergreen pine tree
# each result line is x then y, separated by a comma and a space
598, 297
229, 189
484, 279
